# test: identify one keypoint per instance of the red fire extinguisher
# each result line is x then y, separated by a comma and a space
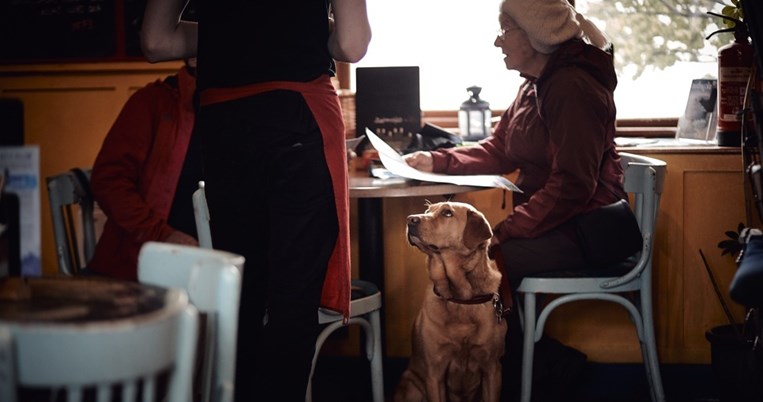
735, 62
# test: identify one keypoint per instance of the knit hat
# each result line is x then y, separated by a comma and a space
548, 23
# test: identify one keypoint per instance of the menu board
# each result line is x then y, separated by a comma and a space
57, 29
41, 31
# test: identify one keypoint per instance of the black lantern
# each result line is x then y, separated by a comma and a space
474, 116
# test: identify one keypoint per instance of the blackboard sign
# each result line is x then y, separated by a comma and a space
54, 29
73, 30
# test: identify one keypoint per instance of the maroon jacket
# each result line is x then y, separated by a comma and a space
136, 172
559, 133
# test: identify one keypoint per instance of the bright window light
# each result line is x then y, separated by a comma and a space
452, 43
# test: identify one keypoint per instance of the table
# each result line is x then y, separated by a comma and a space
58, 327
75, 300
370, 191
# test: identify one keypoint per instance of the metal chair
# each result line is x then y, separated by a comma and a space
69, 195
213, 281
644, 180
123, 359
365, 306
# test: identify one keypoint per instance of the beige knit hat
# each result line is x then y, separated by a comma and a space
549, 23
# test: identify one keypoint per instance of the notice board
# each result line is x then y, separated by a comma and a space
38, 31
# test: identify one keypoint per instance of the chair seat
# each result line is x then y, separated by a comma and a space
365, 298
581, 281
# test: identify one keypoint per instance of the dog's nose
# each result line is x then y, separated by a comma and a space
414, 220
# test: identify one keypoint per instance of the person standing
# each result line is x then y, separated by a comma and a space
274, 163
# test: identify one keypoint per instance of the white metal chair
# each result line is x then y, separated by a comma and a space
213, 281
644, 179
123, 358
69, 196
365, 305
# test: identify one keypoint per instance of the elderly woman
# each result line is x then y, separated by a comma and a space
559, 133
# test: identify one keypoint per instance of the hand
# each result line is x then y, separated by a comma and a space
421, 160
178, 237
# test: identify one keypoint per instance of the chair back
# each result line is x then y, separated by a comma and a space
201, 214
117, 359
72, 214
212, 279
644, 180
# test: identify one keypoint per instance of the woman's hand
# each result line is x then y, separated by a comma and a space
421, 160
178, 237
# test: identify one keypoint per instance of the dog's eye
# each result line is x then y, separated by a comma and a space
447, 213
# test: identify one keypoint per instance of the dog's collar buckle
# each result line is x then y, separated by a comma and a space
498, 307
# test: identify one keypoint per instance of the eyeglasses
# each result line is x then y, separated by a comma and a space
505, 31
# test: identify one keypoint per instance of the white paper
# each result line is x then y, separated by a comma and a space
395, 164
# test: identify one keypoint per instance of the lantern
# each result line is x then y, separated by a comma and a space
474, 116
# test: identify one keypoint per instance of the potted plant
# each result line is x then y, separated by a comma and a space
734, 354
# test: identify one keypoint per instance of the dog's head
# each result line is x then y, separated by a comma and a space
451, 226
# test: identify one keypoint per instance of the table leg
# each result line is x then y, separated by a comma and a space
371, 241
371, 251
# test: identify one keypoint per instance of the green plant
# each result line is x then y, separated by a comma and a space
730, 15
732, 245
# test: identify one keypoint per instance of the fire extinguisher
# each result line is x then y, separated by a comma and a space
735, 63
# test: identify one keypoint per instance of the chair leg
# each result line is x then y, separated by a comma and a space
325, 332
651, 362
375, 357
528, 346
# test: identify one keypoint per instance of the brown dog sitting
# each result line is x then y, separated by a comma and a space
458, 336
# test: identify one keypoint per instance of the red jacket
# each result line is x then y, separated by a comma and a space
136, 172
559, 133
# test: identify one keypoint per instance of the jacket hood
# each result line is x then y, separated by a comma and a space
576, 53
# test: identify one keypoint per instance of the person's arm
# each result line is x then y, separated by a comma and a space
351, 32
163, 36
117, 169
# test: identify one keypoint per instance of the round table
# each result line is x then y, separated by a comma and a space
77, 300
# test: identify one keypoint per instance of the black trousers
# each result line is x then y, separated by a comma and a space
271, 199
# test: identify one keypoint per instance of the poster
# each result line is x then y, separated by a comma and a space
21, 168
700, 119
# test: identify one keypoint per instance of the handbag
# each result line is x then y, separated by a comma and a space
608, 234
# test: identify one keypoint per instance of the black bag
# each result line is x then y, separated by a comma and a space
609, 234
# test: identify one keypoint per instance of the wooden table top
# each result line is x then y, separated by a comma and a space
75, 299
371, 187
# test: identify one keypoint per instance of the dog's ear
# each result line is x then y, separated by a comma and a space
477, 230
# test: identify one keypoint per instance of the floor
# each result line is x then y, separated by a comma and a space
346, 379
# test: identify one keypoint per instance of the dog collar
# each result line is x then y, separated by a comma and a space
500, 311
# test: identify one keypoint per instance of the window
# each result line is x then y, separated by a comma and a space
452, 43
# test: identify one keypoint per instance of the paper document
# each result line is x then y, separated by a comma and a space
396, 165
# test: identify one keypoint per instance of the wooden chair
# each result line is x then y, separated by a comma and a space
213, 281
123, 359
69, 196
644, 180
364, 309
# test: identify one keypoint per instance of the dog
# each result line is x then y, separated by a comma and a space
458, 335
